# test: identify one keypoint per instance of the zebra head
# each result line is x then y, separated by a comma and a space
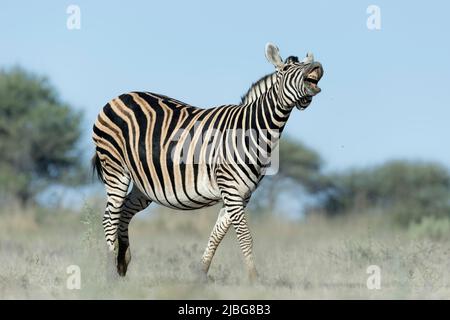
297, 80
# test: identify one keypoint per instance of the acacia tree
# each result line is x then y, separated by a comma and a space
38, 136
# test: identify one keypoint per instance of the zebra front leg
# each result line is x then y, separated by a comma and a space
245, 239
220, 229
136, 201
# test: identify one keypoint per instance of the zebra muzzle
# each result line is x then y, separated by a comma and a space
312, 79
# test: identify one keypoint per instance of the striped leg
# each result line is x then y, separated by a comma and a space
220, 229
135, 201
235, 206
116, 191
245, 241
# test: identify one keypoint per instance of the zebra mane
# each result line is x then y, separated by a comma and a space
259, 87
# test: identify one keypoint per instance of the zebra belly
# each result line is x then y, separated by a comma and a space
185, 192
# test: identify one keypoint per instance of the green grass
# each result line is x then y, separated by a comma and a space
315, 259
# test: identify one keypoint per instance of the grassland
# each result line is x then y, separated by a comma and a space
317, 258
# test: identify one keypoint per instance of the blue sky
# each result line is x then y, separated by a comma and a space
385, 93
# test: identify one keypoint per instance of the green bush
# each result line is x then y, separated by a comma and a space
407, 191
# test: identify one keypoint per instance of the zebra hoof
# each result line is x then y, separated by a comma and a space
202, 278
123, 259
200, 275
122, 268
253, 277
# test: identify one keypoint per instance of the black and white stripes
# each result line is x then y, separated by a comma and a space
185, 157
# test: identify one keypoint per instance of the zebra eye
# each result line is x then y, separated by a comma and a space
285, 68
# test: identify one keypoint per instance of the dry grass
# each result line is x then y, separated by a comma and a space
314, 259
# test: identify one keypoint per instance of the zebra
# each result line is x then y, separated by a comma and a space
144, 141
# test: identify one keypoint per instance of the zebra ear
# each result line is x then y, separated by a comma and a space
309, 58
273, 55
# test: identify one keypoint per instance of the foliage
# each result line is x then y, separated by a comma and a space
38, 136
299, 171
301, 164
407, 190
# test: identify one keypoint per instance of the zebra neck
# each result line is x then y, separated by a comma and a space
266, 118
269, 114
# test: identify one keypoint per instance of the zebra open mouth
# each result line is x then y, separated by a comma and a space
311, 81
310, 86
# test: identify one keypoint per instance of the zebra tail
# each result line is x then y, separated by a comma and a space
97, 167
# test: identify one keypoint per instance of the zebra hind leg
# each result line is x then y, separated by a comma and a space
116, 184
135, 201
116, 191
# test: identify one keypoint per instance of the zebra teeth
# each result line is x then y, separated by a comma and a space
313, 80
313, 76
